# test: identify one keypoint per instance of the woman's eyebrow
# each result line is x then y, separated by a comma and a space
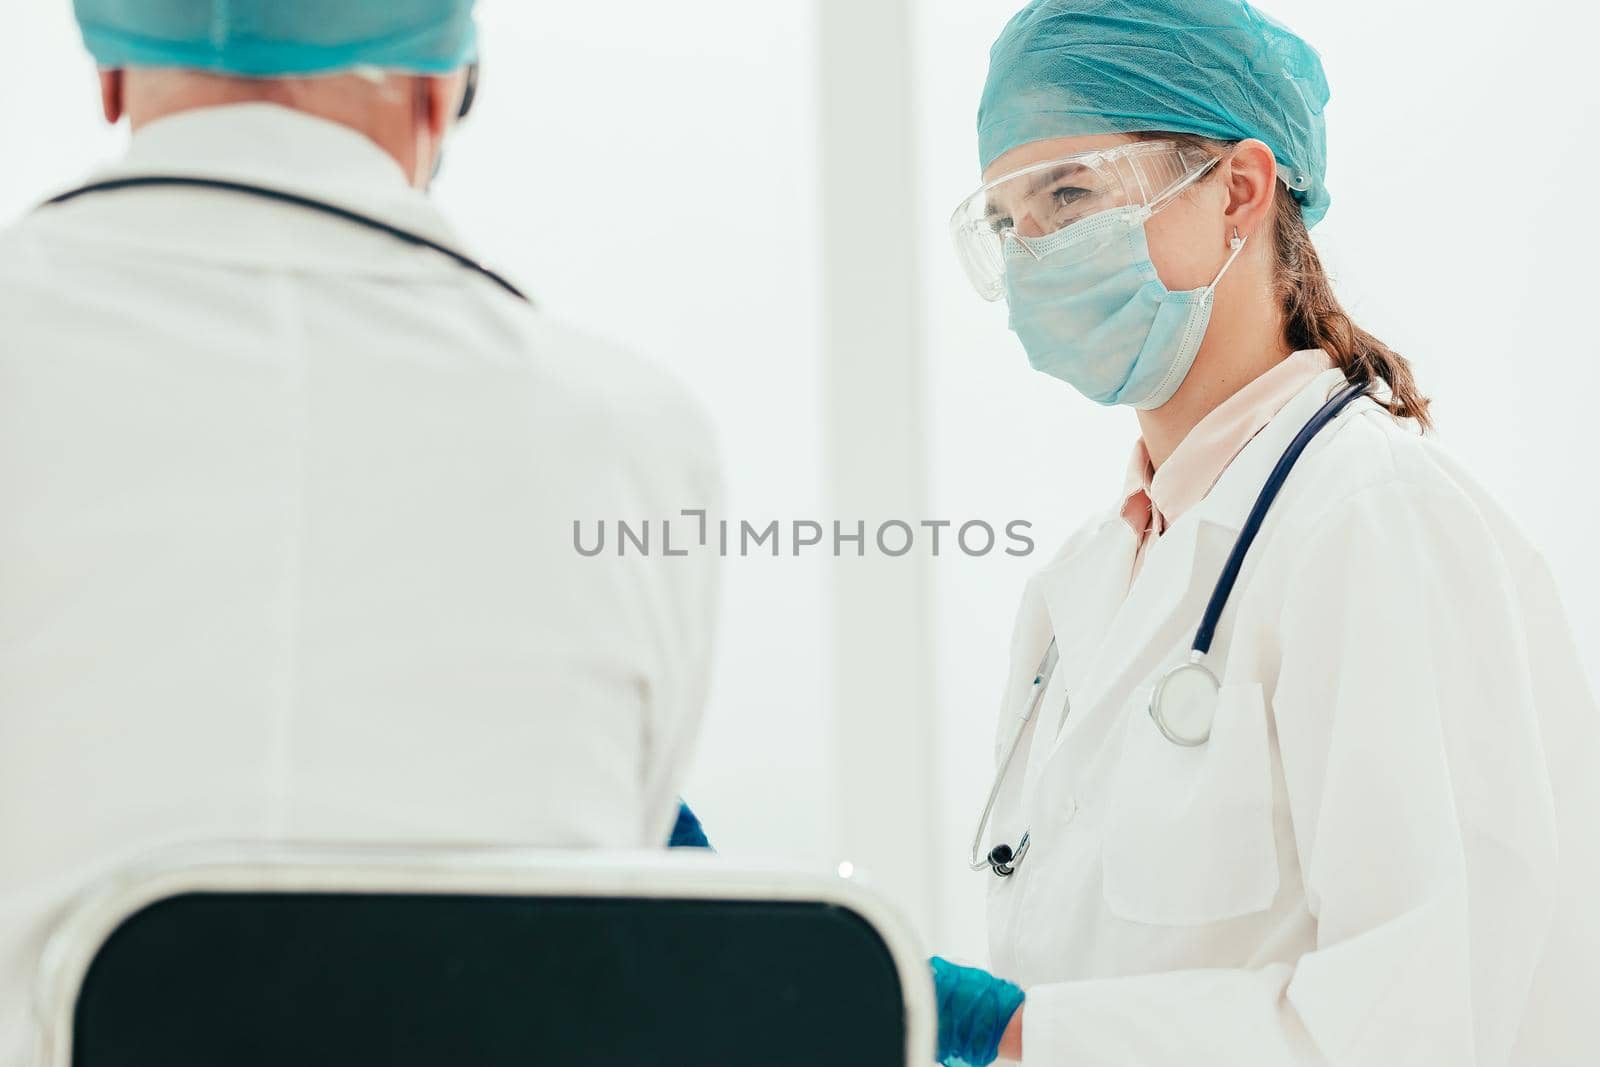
1037, 182
1054, 174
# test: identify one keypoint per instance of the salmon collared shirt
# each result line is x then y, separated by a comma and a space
1154, 498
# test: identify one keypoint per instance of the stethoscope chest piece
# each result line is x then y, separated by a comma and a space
1183, 704
1003, 861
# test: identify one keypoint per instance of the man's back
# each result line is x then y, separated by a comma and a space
287, 541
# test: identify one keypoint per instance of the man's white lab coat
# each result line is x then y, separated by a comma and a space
286, 535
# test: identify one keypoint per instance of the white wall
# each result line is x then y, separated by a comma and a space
1461, 232
49, 103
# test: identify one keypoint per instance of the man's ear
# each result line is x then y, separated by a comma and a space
111, 95
443, 96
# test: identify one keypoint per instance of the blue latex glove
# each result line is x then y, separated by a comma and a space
974, 1008
687, 832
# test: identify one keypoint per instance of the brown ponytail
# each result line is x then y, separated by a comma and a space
1312, 315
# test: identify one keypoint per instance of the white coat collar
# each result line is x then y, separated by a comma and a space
1231, 498
266, 144
1111, 636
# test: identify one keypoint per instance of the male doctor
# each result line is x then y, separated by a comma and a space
287, 503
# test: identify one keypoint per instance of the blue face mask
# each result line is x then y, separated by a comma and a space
1089, 309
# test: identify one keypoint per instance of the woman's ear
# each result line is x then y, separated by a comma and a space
111, 95
1251, 177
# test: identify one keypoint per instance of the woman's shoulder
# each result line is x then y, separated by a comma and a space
1376, 460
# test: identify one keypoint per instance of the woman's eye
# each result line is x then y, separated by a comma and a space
1068, 195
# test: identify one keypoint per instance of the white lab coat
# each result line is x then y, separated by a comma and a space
1385, 855
286, 547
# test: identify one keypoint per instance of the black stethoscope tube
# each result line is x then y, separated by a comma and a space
1258, 512
1002, 859
306, 203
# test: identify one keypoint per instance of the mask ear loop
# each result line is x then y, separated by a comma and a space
1236, 243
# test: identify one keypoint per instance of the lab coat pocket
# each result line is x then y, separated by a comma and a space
1189, 833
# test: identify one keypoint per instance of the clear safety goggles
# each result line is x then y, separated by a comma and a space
1045, 197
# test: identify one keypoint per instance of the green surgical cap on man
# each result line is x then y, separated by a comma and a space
266, 38
1214, 68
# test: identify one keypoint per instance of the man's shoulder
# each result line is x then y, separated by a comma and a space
630, 432
611, 376
600, 395
19, 243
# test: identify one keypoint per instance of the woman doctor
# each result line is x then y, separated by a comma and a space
1373, 842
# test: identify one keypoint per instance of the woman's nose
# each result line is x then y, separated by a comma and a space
1027, 226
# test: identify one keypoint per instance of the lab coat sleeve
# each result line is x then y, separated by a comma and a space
1422, 813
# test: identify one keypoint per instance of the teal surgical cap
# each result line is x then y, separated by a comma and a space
1215, 68
266, 38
